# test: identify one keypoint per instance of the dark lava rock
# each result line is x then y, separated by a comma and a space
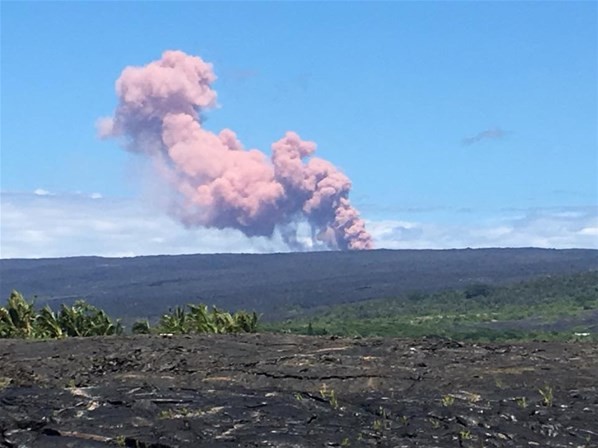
268, 390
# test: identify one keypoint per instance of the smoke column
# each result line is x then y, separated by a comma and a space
218, 183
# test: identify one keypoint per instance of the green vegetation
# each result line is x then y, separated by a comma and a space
465, 435
19, 319
448, 400
547, 396
329, 395
548, 308
434, 422
200, 320
479, 312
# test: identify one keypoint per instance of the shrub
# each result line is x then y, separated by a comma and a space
141, 327
20, 320
17, 319
200, 320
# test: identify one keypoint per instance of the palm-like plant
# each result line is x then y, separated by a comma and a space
245, 321
102, 325
6, 326
48, 324
199, 320
83, 319
72, 320
17, 320
141, 327
174, 322
223, 321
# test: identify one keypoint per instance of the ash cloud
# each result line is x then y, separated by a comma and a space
488, 134
216, 182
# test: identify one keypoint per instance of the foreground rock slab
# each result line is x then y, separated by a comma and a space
271, 390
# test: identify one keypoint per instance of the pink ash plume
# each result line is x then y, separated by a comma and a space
218, 183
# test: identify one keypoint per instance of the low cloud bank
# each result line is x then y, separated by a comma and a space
558, 228
35, 226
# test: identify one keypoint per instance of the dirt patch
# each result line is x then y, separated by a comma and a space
292, 391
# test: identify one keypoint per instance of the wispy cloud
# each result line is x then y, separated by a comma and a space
560, 228
238, 74
79, 224
42, 192
488, 134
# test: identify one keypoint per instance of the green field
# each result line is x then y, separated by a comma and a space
548, 308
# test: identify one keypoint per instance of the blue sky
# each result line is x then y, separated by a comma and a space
389, 91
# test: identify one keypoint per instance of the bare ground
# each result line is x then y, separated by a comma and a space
269, 390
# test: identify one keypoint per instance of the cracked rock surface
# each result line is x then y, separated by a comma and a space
273, 390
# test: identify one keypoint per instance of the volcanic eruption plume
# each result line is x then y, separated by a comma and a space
218, 183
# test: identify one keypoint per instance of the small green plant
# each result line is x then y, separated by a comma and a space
521, 402
120, 440
167, 414
333, 400
382, 422
464, 435
434, 422
404, 420
448, 400
330, 395
179, 413
383, 413
298, 396
472, 397
547, 395
141, 327
323, 390
345, 442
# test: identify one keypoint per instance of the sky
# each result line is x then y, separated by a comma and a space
460, 124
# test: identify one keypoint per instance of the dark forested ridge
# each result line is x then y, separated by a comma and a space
275, 284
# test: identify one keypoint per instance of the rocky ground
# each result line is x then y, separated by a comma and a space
269, 390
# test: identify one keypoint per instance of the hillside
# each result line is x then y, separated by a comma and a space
275, 284
549, 307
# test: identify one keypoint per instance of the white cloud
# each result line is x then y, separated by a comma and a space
567, 227
41, 192
34, 225
593, 231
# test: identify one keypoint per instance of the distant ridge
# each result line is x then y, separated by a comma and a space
274, 284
